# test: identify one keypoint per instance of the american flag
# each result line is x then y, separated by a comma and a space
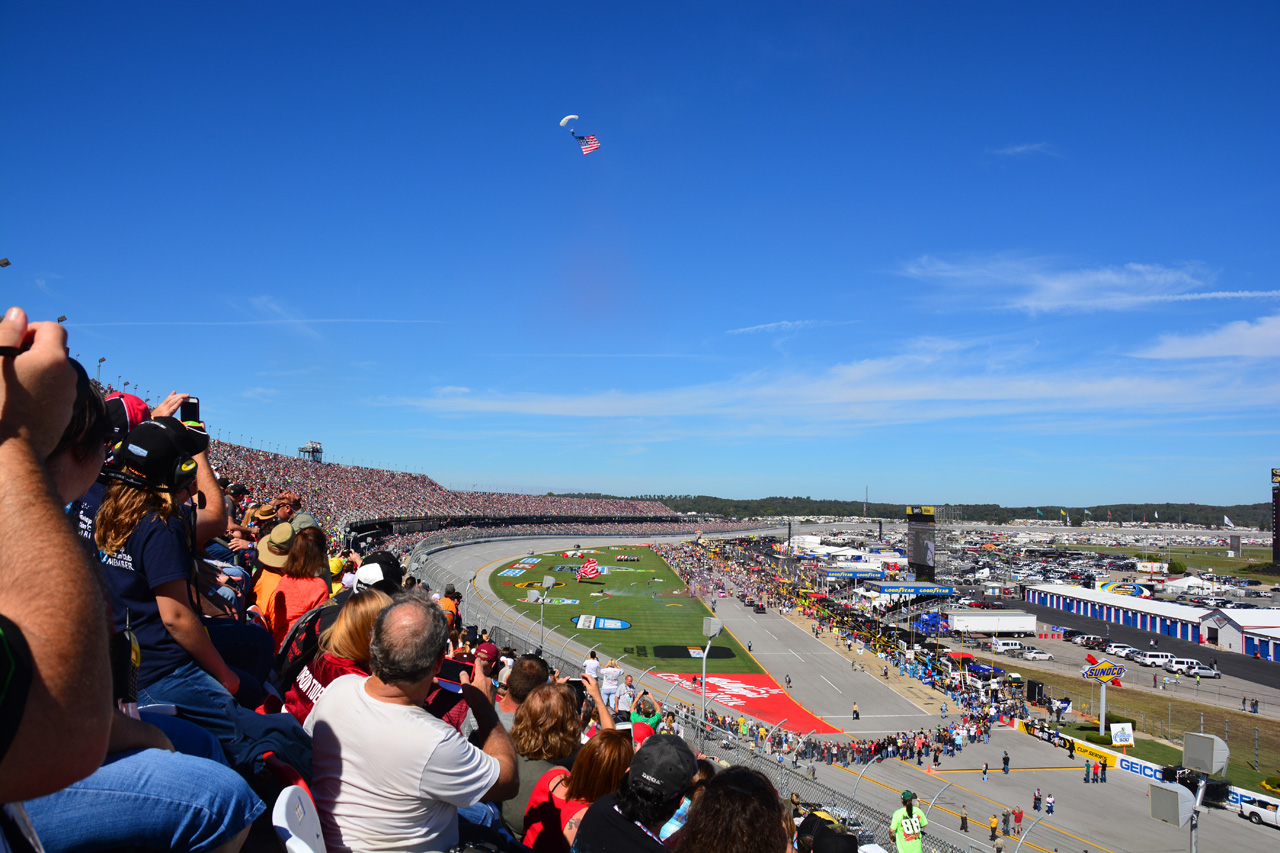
589, 569
589, 143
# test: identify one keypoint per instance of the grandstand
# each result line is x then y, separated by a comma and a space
356, 501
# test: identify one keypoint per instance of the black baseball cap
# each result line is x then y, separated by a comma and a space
666, 764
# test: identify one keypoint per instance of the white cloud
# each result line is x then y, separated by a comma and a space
453, 389
1040, 285
1242, 339
937, 381
1026, 148
787, 326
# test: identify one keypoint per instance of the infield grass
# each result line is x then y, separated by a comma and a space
664, 622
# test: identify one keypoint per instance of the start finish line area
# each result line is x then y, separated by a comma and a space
755, 695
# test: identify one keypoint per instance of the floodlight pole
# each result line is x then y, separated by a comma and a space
935, 799
568, 641
705, 652
854, 793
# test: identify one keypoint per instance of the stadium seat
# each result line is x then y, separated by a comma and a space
297, 822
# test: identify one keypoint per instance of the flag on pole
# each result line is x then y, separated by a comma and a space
1039, 513
589, 143
1157, 515
1062, 512
1227, 522
1086, 512
1108, 513
588, 570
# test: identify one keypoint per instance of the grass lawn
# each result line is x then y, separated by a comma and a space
1158, 715
663, 622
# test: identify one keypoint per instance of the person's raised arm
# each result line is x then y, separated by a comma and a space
593, 690
62, 733
492, 737
211, 512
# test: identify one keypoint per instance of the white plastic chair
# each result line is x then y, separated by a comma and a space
297, 822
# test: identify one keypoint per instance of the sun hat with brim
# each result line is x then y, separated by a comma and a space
266, 512
275, 550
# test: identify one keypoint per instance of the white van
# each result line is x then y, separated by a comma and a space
1006, 646
1152, 658
1181, 665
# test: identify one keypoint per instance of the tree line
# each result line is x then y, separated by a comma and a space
1242, 515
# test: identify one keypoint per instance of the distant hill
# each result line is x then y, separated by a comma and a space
1243, 515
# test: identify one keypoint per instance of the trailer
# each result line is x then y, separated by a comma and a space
1013, 623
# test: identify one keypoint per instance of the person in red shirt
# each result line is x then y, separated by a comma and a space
304, 583
343, 650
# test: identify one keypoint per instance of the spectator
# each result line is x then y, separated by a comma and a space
380, 570
649, 794
449, 604
737, 809
343, 650
272, 555
527, 672
610, 674
591, 666
142, 529
289, 508
560, 799
388, 774
546, 736
672, 833
304, 583
55, 703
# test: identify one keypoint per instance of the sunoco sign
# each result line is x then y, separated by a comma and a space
1104, 671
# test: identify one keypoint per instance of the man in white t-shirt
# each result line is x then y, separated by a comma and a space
388, 775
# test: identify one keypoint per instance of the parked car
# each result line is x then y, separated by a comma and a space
1121, 649
1181, 665
1202, 671
1070, 634
760, 608
1148, 658
1036, 654
1095, 643
1081, 639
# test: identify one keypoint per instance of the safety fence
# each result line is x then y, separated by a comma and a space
507, 628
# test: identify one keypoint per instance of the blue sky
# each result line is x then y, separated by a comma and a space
949, 252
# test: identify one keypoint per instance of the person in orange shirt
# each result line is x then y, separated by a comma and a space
273, 551
304, 585
449, 604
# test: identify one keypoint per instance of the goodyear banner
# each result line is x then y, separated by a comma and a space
916, 589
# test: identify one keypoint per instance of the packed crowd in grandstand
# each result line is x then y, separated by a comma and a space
337, 494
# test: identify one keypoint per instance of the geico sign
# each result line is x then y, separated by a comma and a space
1142, 768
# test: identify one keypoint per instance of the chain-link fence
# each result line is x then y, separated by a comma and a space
506, 628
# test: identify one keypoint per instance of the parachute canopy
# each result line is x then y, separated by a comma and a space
565, 121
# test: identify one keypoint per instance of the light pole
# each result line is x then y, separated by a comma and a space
935, 799
104, 358
854, 793
711, 628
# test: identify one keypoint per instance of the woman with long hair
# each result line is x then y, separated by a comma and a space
343, 650
560, 799
738, 809
304, 583
145, 532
